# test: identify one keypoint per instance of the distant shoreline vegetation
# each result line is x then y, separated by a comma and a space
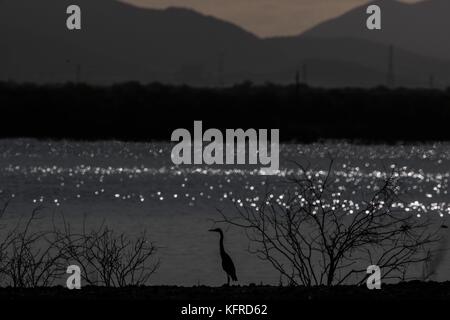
135, 112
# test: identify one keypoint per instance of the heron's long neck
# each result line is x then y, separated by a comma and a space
221, 243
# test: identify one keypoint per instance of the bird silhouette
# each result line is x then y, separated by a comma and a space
227, 263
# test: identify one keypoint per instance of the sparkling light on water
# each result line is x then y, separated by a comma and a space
57, 172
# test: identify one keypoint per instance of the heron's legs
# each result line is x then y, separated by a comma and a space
228, 280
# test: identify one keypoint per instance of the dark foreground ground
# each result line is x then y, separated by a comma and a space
404, 291
416, 300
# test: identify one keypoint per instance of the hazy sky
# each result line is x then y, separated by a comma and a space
265, 17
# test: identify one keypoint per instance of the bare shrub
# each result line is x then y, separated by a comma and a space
4, 239
310, 238
30, 258
110, 259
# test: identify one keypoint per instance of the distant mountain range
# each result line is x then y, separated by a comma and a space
422, 27
119, 42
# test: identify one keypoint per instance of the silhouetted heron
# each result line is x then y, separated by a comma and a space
227, 263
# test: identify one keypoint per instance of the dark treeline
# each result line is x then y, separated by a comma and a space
132, 111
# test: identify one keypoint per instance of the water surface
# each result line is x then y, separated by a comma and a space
134, 186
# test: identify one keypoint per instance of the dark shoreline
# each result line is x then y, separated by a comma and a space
414, 290
402, 301
137, 112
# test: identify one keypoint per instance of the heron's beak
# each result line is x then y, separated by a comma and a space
212, 230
